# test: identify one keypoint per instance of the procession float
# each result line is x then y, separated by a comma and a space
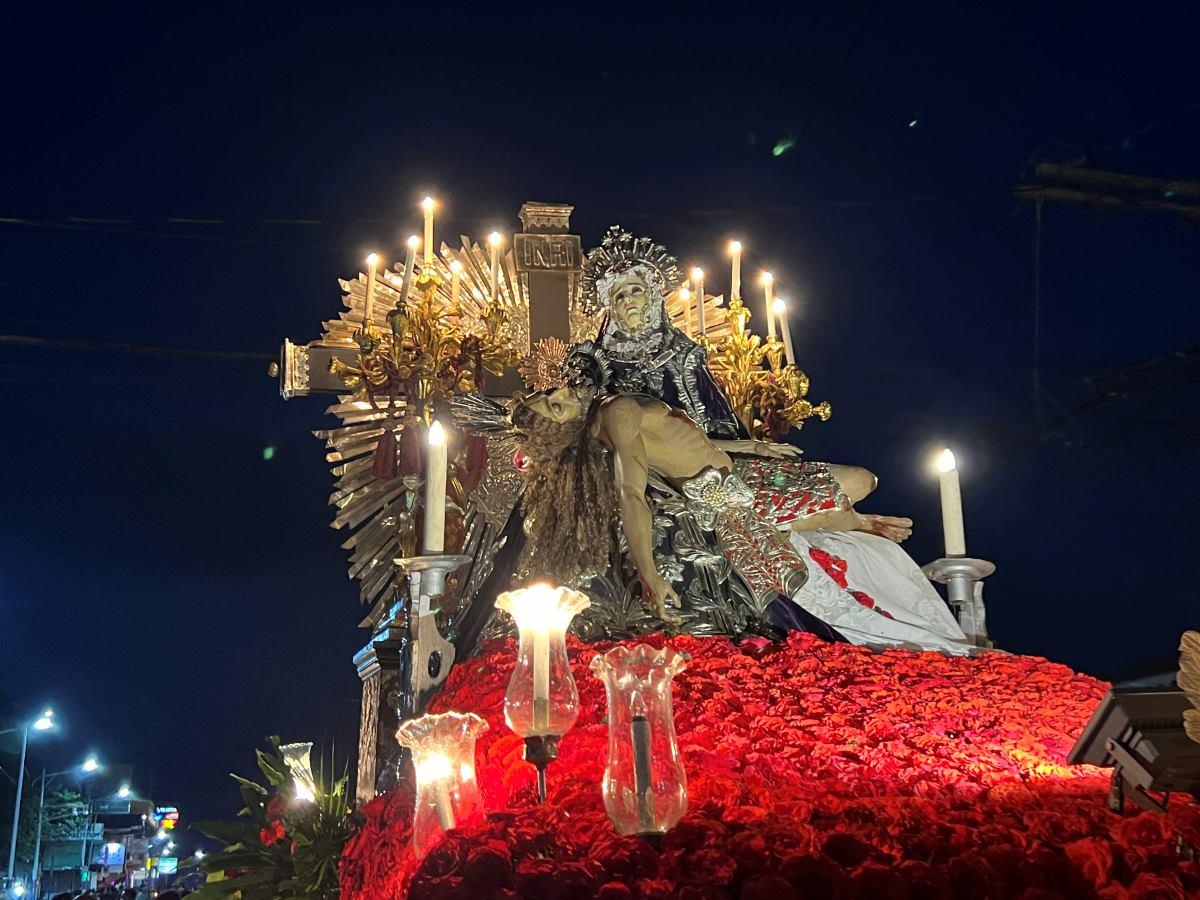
627, 642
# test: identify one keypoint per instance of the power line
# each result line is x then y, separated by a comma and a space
41, 343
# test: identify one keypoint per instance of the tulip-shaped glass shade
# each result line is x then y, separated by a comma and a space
443, 754
298, 759
542, 698
645, 786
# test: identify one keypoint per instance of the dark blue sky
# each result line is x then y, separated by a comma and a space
178, 596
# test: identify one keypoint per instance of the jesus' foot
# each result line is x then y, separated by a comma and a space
894, 528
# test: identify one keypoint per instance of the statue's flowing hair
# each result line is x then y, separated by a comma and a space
570, 495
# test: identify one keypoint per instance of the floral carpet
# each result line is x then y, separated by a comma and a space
814, 770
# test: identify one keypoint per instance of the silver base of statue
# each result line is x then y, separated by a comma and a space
963, 577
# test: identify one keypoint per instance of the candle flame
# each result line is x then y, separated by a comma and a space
767, 278
437, 434
779, 307
697, 274
735, 247
434, 767
494, 239
456, 266
372, 259
945, 461
413, 242
685, 294
427, 204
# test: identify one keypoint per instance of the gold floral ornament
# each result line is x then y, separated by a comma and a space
542, 369
767, 396
427, 354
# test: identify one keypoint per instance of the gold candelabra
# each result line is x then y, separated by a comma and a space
769, 399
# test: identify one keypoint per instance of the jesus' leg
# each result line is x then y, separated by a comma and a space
856, 483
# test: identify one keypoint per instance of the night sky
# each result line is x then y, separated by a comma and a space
177, 595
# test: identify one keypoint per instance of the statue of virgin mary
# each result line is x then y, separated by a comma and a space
630, 278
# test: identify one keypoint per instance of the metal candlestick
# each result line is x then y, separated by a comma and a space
963, 577
432, 654
541, 750
405, 662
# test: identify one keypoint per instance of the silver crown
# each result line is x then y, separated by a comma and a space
618, 251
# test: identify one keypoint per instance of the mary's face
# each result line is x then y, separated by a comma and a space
629, 300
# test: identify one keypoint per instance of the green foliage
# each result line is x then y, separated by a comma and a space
278, 847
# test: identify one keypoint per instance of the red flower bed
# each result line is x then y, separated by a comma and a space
814, 770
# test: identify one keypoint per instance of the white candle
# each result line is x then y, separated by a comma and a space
735, 285
435, 490
427, 207
685, 297
952, 514
455, 282
410, 261
541, 679
494, 242
768, 283
372, 262
781, 311
436, 770
698, 290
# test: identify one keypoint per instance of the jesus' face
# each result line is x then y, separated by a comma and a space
629, 299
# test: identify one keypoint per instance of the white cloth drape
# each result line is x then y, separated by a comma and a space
875, 566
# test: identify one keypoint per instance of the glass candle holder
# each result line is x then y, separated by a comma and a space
298, 759
443, 755
645, 786
542, 698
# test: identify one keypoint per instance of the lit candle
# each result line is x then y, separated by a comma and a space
435, 490
410, 260
372, 262
781, 310
735, 286
685, 297
952, 514
427, 207
697, 275
435, 770
541, 678
494, 242
768, 283
455, 282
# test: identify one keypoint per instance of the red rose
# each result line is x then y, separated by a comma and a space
270, 836
1149, 886
708, 867
1094, 859
813, 876
877, 882
614, 890
845, 849
767, 887
488, 866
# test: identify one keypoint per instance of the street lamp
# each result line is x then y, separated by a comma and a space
88, 767
123, 792
44, 722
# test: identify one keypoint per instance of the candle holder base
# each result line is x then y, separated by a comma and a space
963, 577
427, 574
654, 839
540, 751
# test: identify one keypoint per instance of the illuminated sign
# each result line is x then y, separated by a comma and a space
168, 865
166, 817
